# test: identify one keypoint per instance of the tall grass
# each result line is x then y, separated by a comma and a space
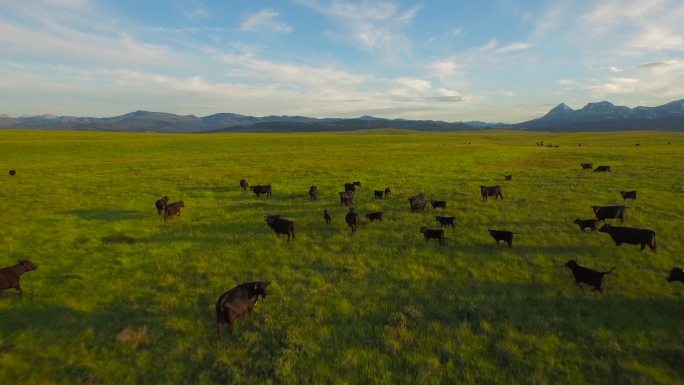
121, 297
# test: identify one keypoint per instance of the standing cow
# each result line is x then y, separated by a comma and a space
237, 302
313, 193
418, 202
352, 219
491, 191
631, 236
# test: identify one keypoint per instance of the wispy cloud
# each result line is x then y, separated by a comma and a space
265, 20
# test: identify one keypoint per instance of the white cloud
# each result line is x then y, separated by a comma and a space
614, 69
265, 20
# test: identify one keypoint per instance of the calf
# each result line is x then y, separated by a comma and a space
508, 177
491, 191
437, 234
172, 209
387, 191
602, 169
259, 189
586, 275
352, 220
237, 302
9, 276
587, 224
502, 235
281, 226
326, 217
160, 204
628, 195
346, 198
375, 216
13, 172
313, 192
437, 204
631, 236
378, 194
610, 212
244, 184
418, 202
446, 221
587, 166
676, 274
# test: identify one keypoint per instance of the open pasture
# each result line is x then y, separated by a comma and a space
121, 297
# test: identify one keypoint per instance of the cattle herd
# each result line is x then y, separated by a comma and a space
240, 300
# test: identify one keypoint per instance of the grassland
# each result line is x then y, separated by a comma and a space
120, 297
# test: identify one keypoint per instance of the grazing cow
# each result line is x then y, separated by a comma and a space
502, 235
587, 166
378, 194
437, 204
9, 276
244, 184
160, 204
446, 221
437, 234
628, 195
602, 169
259, 189
352, 220
237, 302
13, 172
508, 177
418, 202
313, 192
631, 236
491, 191
375, 216
587, 223
636, 144
346, 198
387, 191
280, 225
349, 187
610, 212
172, 209
676, 274
327, 217
586, 275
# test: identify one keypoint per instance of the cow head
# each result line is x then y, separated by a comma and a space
181, 204
605, 228
577, 221
27, 265
270, 218
572, 264
676, 274
259, 289
595, 208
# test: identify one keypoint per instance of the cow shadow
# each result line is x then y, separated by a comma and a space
106, 214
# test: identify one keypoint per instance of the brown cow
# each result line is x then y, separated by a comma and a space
172, 209
237, 302
9, 276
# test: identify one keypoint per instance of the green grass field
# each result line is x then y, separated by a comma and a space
120, 297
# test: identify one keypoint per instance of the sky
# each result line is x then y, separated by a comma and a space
489, 60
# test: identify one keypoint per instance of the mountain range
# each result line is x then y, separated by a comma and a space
601, 116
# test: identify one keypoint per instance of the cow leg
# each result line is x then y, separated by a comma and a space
509, 243
17, 287
643, 246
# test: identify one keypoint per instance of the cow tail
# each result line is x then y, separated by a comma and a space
609, 271
292, 231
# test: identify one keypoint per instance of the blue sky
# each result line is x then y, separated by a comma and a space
498, 60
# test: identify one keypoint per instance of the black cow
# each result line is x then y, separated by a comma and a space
602, 169
502, 235
280, 225
160, 204
259, 189
349, 187
631, 236
676, 274
587, 223
508, 177
237, 302
327, 217
352, 219
375, 216
491, 191
586, 275
172, 209
587, 166
610, 212
346, 198
378, 194
387, 191
437, 234
446, 221
244, 184
313, 192
13, 172
418, 202
628, 195
437, 204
